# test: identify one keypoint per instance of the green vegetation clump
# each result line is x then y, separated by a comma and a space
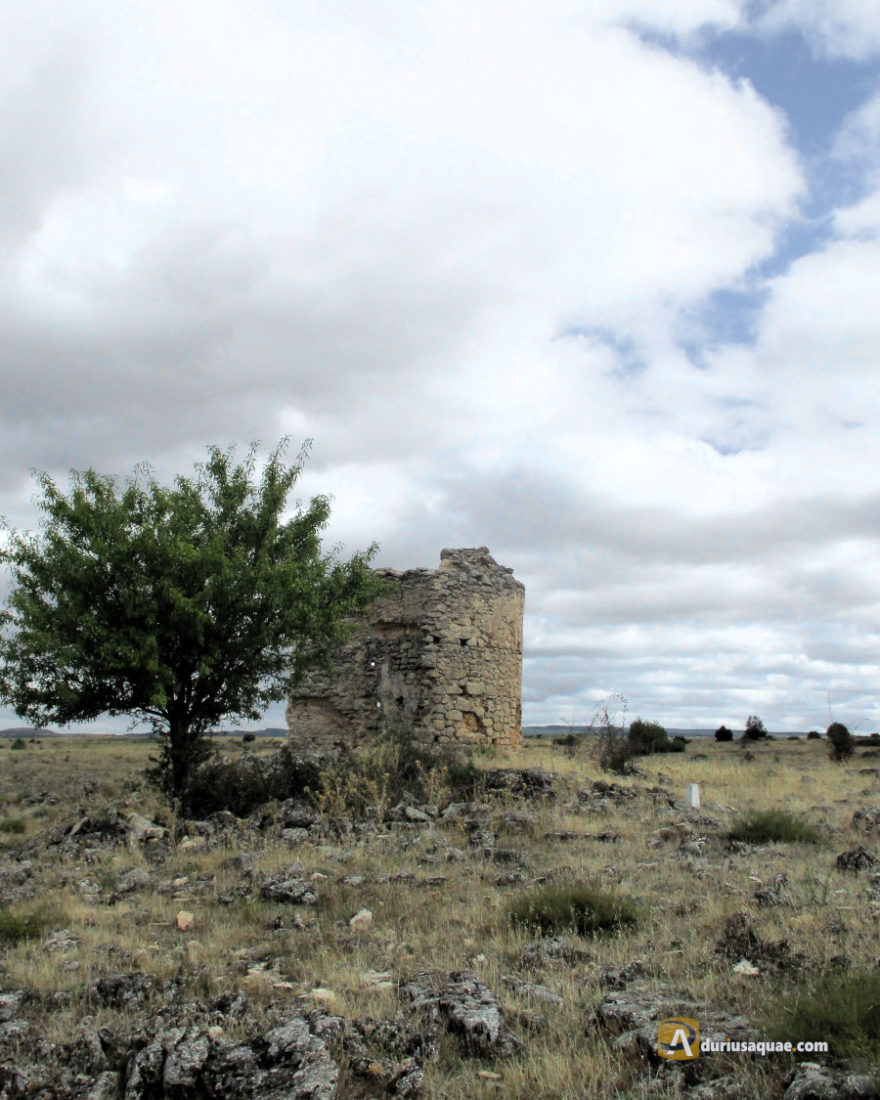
240, 785
219, 597
755, 729
648, 737
841, 1009
18, 743
842, 741
571, 742
766, 826
17, 927
723, 734
464, 779
12, 825
814, 735
365, 781
586, 910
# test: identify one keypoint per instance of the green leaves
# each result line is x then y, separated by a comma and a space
182, 605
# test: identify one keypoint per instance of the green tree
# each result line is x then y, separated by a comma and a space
842, 741
723, 734
648, 737
755, 729
179, 606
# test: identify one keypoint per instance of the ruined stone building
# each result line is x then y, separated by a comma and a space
439, 658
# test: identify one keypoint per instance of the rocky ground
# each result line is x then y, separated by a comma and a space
304, 952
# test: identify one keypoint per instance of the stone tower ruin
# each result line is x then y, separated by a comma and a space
438, 658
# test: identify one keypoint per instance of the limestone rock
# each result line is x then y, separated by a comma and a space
810, 1081
141, 829
291, 890
474, 1012
856, 859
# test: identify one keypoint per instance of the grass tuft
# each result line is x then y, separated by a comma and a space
766, 826
586, 910
12, 825
840, 1009
17, 927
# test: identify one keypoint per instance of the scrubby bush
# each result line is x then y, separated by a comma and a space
18, 743
814, 735
841, 1009
464, 779
368, 780
571, 742
755, 729
16, 927
12, 825
766, 826
240, 785
248, 738
648, 737
614, 749
586, 910
842, 741
723, 734
362, 781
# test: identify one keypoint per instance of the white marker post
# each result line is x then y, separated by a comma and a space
694, 795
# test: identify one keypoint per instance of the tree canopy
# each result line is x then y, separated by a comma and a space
181, 605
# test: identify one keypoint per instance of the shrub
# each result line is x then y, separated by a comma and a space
648, 737
571, 742
842, 741
248, 738
241, 785
814, 735
464, 779
586, 910
368, 780
842, 1009
766, 826
755, 729
18, 743
16, 927
614, 748
12, 825
723, 734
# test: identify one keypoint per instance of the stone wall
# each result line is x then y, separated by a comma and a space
439, 658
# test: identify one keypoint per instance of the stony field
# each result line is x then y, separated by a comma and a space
364, 946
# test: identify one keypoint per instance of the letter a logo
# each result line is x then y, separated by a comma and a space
679, 1038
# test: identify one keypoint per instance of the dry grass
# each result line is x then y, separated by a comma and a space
684, 899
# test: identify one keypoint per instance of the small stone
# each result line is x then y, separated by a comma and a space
323, 996
378, 979
746, 969
193, 842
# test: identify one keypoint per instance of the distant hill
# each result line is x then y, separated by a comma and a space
269, 731
29, 731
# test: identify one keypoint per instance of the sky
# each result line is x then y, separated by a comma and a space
589, 282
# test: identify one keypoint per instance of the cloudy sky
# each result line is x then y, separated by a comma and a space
590, 282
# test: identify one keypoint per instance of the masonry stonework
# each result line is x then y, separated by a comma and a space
439, 658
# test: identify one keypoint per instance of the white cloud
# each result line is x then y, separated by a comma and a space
379, 227
838, 28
